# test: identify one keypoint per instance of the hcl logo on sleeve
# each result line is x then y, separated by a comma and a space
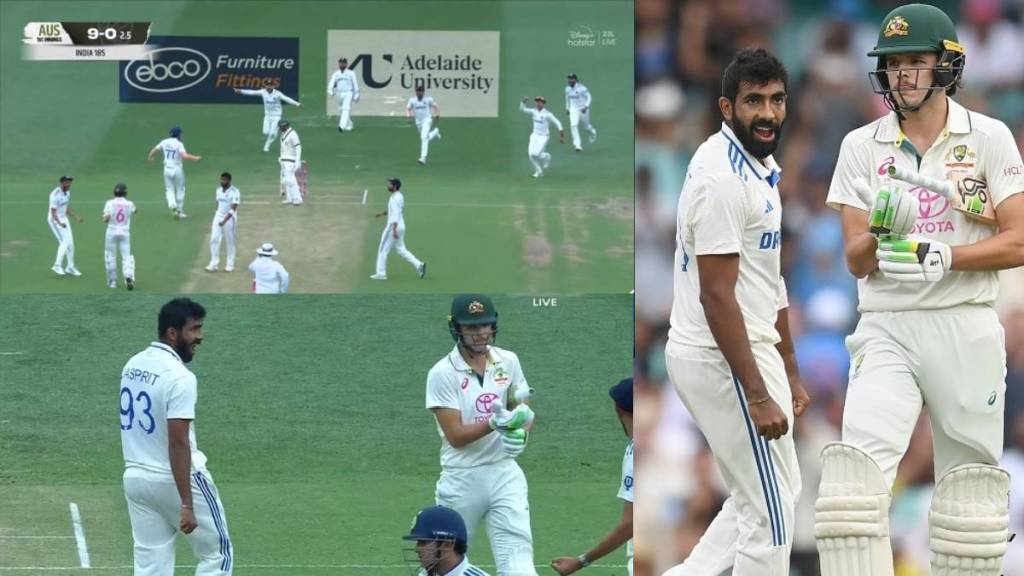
770, 240
173, 70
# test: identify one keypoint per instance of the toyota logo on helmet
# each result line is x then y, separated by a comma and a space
173, 70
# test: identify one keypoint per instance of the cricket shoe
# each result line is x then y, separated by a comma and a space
378, 277
129, 283
435, 133
546, 159
182, 215
578, 149
286, 201
422, 269
174, 213
72, 271
58, 270
266, 149
210, 268
538, 173
340, 130
422, 161
593, 136
112, 284
229, 268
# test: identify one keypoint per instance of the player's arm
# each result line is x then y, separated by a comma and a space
561, 133
298, 154
230, 214
586, 104
285, 98
330, 83
153, 153
437, 112
619, 535
457, 433
859, 245
522, 106
566, 99
55, 217
106, 213
186, 156
245, 92
355, 86
283, 278
72, 213
1000, 252
801, 400
180, 453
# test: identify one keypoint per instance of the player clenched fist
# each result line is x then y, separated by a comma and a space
893, 211
188, 519
503, 420
768, 418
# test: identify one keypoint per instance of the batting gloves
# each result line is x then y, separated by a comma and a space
894, 213
513, 442
913, 259
503, 420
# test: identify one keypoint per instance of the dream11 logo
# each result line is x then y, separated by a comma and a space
931, 205
365, 64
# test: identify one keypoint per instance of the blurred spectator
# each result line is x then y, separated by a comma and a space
682, 48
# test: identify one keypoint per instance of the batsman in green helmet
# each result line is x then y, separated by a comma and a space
478, 394
928, 334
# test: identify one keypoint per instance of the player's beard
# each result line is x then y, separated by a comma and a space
757, 148
185, 350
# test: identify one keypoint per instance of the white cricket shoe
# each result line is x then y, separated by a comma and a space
56, 268
286, 201
593, 135
112, 284
229, 268
579, 149
182, 215
72, 271
546, 159
378, 277
422, 161
422, 269
210, 268
129, 283
435, 133
538, 173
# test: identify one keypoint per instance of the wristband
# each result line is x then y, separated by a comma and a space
189, 506
584, 562
761, 401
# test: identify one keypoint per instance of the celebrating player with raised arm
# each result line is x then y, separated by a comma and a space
928, 334
174, 173
272, 99
730, 355
539, 157
166, 483
477, 394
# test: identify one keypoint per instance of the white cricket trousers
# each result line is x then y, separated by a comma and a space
291, 185
226, 232
270, 129
579, 118
426, 135
118, 241
387, 242
538, 157
174, 187
155, 511
65, 242
753, 533
951, 360
496, 494
344, 110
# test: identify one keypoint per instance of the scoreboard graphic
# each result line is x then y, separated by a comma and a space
85, 40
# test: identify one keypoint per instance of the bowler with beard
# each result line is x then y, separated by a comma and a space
730, 355
166, 483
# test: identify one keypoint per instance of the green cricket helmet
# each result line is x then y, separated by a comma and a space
471, 310
917, 28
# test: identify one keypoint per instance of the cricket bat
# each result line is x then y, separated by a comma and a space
967, 195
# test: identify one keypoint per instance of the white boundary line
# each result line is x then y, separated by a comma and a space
365, 192
76, 523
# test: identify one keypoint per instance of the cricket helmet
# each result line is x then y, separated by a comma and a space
471, 310
438, 523
120, 189
916, 28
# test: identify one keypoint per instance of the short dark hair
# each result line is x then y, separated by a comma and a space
340, 60
176, 313
753, 65
226, 175
460, 547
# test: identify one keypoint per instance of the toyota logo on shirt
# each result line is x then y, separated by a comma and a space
173, 70
484, 402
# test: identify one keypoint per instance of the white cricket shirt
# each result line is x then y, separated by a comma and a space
225, 198
463, 569
291, 149
396, 207
540, 119
271, 100
59, 200
729, 205
120, 211
451, 383
971, 144
626, 493
420, 108
269, 276
342, 82
577, 96
172, 149
156, 386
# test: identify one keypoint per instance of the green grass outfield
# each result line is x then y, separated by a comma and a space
474, 214
311, 413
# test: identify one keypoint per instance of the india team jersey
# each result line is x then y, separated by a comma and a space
172, 149
729, 205
420, 108
156, 386
271, 100
577, 96
541, 119
120, 211
451, 383
971, 145
225, 198
59, 200
396, 206
463, 569
343, 82
626, 493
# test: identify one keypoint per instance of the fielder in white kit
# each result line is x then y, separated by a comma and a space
928, 334
272, 99
57, 220
345, 89
577, 106
269, 276
117, 213
290, 161
393, 236
730, 355
166, 483
472, 393
425, 113
539, 157
174, 173
225, 223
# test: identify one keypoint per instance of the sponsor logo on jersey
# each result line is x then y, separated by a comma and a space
1014, 170
770, 240
485, 402
500, 376
960, 156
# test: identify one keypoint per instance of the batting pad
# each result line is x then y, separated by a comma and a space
969, 521
851, 518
